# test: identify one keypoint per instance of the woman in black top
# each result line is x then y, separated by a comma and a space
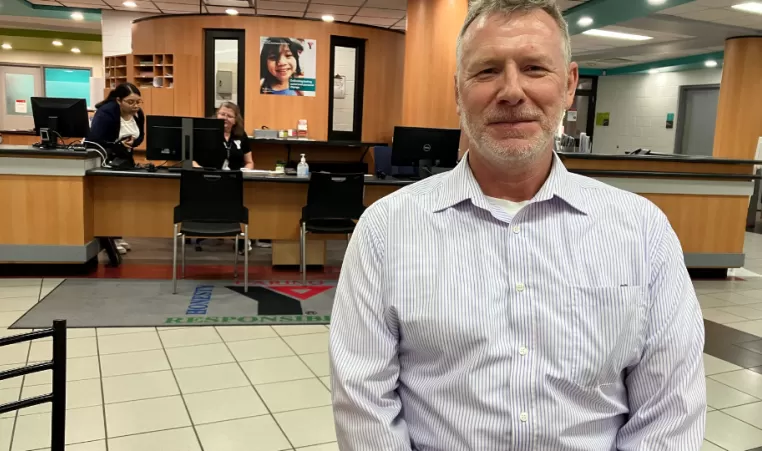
237, 152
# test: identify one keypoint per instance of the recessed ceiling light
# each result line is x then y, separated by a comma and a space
6, 46
76, 15
653, 71
231, 12
57, 43
75, 50
657, 2
585, 21
130, 4
616, 35
710, 63
749, 7
328, 18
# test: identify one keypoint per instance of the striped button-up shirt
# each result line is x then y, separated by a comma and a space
571, 326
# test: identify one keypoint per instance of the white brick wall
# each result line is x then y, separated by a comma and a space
117, 31
639, 105
343, 109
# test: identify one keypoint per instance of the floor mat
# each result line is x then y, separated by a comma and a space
150, 303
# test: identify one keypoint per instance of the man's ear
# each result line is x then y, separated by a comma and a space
571, 85
457, 94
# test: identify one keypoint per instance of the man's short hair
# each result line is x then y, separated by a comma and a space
477, 8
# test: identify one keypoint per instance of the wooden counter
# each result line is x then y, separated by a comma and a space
706, 201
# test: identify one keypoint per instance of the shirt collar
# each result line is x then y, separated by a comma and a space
460, 185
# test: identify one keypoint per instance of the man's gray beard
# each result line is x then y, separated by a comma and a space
498, 154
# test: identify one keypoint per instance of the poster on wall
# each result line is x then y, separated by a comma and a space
602, 119
287, 66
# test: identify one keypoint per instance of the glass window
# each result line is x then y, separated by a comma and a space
19, 90
67, 83
225, 71
345, 59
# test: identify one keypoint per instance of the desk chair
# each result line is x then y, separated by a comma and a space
58, 365
334, 203
211, 206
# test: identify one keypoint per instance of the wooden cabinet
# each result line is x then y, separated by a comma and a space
153, 74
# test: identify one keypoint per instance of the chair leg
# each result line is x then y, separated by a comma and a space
303, 252
246, 258
235, 259
182, 238
174, 261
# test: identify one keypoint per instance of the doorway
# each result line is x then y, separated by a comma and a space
224, 69
17, 87
345, 91
696, 118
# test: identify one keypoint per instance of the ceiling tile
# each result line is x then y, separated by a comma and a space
177, 7
281, 6
714, 14
233, 3
79, 4
221, 10
140, 10
271, 12
380, 12
45, 2
389, 4
336, 17
340, 2
684, 8
86, 2
716, 3
331, 9
377, 21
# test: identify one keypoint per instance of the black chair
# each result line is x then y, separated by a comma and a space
334, 204
58, 366
211, 206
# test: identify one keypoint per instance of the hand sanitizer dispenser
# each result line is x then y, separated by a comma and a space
302, 169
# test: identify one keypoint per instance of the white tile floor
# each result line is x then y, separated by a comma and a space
224, 389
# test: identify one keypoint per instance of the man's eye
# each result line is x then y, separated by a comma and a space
535, 69
488, 71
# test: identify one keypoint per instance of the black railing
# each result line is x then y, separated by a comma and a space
58, 366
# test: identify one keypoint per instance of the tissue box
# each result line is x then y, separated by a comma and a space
265, 134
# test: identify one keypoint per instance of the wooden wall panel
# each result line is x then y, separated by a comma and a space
43, 210
430, 63
739, 111
183, 36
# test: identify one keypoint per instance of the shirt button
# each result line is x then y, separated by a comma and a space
524, 417
516, 229
523, 350
520, 286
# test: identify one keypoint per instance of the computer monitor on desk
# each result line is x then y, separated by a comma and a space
185, 139
56, 118
425, 149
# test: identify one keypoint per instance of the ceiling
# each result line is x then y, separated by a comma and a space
678, 28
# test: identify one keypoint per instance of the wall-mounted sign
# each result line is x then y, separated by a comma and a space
571, 116
602, 119
339, 87
287, 66
670, 120
21, 106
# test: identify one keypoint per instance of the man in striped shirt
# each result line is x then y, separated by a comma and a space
510, 304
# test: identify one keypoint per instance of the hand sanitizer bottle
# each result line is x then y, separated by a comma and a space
302, 169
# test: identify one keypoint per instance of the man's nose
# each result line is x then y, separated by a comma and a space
511, 91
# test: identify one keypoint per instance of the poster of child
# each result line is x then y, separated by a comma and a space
287, 66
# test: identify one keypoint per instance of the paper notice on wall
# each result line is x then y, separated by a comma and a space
758, 154
339, 87
571, 116
21, 106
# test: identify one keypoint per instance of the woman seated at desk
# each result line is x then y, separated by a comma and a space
237, 152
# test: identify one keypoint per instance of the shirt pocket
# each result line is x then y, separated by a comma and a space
604, 333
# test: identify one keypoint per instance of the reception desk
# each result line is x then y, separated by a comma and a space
59, 202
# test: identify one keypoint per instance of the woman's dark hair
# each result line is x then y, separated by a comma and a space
120, 92
272, 48
238, 127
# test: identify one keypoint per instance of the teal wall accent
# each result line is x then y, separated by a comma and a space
610, 12
692, 62
24, 8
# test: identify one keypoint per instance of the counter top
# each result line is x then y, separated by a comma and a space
307, 142
18, 132
662, 157
21, 150
142, 173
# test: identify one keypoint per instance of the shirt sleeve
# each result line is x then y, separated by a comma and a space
364, 360
102, 127
667, 388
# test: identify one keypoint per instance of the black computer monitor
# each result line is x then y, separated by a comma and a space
55, 118
425, 147
165, 136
